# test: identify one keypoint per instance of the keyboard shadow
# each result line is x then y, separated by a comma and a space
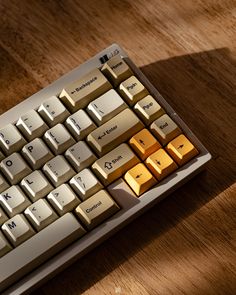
201, 87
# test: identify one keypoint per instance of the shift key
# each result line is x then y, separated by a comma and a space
114, 132
114, 164
81, 92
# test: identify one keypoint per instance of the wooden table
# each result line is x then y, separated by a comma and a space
186, 244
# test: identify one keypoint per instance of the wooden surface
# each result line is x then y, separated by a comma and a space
186, 244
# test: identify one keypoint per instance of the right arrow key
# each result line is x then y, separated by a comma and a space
181, 149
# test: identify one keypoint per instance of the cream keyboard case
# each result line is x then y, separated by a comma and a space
82, 158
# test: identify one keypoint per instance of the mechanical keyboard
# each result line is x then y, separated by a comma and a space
79, 160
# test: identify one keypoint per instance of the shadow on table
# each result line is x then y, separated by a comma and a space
201, 88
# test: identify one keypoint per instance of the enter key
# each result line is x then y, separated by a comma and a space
114, 164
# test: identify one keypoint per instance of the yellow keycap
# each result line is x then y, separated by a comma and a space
139, 179
144, 144
181, 149
161, 164
132, 90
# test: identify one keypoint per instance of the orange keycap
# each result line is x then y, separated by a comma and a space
161, 164
181, 149
144, 144
140, 179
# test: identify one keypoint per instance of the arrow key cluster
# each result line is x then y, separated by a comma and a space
160, 161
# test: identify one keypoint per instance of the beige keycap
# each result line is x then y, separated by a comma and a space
112, 133
80, 156
15, 168
63, 199
40, 214
3, 184
165, 129
36, 186
10, 139
106, 106
115, 163
3, 217
4, 245
37, 153
148, 109
132, 90
39, 248
81, 92
53, 111
17, 229
85, 184
58, 170
96, 209
116, 70
13, 200
58, 139
80, 125
31, 125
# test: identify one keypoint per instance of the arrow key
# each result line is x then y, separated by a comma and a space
144, 144
161, 164
140, 179
181, 150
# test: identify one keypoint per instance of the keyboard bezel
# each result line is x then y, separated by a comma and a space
128, 212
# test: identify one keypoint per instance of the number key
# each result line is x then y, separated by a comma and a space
53, 111
31, 125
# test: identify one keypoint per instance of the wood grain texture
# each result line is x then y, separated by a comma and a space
187, 48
